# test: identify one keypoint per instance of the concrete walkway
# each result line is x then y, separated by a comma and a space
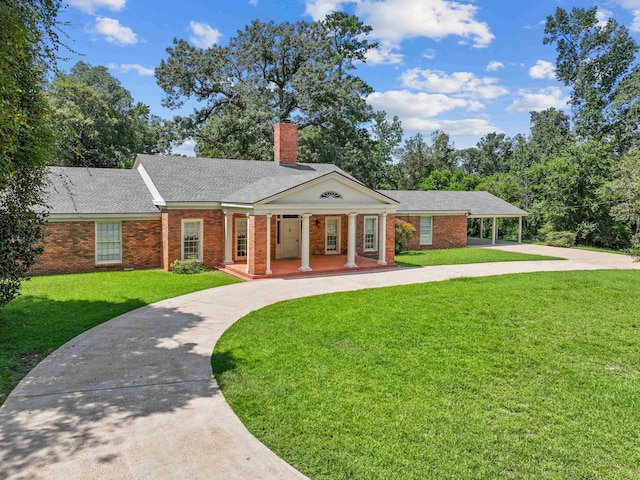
134, 398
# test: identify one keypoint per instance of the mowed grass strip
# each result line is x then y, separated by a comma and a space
54, 309
515, 376
459, 256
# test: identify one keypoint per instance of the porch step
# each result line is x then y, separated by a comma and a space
239, 273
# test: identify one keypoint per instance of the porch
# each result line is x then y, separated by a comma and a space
320, 265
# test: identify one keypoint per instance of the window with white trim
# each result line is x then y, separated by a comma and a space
426, 230
192, 240
241, 237
370, 234
108, 242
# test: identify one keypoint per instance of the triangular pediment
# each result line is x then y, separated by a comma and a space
331, 189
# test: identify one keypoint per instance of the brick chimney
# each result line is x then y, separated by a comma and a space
285, 143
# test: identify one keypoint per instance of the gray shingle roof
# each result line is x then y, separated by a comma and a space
85, 191
475, 203
189, 179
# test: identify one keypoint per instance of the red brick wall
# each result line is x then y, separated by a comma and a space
391, 238
257, 244
285, 146
447, 231
70, 247
317, 233
212, 235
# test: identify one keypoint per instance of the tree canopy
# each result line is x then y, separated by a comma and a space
96, 122
288, 72
595, 61
28, 43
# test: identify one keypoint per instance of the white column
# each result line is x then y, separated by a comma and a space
248, 247
304, 250
228, 238
268, 272
481, 228
520, 229
351, 242
494, 233
382, 240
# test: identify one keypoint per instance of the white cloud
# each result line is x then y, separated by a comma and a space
115, 33
462, 127
634, 7
603, 15
204, 36
494, 65
464, 84
407, 104
318, 9
417, 112
127, 67
384, 56
253, 2
396, 20
188, 148
530, 101
429, 53
90, 6
543, 69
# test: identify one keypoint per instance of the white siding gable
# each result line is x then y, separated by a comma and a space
312, 193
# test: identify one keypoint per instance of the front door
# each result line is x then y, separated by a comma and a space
289, 237
332, 235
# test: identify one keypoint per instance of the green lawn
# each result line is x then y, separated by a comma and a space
458, 256
54, 309
515, 376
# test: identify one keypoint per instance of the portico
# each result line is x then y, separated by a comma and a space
306, 237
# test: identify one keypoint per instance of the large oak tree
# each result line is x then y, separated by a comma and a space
289, 72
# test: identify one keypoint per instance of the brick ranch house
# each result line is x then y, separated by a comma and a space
251, 217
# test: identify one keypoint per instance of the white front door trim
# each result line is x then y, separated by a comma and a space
332, 228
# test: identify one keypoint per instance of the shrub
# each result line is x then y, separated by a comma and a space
189, 266
560, 239
404, 232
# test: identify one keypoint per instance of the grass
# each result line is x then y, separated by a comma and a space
515, 376
582, 247
458, 256
598, 249
54, 309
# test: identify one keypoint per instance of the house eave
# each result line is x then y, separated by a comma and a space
192, 205
92, 217
432, 213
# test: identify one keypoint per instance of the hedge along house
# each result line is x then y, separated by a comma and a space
441, 217
254, 217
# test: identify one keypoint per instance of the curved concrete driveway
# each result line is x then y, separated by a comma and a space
135, 397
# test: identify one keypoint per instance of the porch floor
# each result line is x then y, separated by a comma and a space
320, 265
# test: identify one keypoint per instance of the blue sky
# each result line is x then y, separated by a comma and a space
466, 67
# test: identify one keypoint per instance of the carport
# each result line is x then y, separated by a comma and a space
488, 208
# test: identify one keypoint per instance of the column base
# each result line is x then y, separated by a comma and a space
382, 262
351, 265
268, 272
305, 269
229, 262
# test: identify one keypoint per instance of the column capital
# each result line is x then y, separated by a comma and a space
353, 214
268, 215
384, 214
306, 215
